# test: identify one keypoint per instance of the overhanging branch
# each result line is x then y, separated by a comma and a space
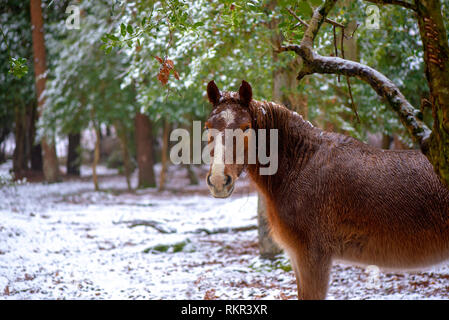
395, 2
384, 87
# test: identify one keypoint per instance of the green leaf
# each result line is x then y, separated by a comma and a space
130, 29
112, 37
18, 67
123, 29
198, 24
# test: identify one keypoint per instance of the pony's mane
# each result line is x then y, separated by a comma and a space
297, 138
267, 115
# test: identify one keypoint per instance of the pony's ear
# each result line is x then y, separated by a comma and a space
246, 93
213, 93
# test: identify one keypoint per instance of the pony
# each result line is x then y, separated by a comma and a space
333, 197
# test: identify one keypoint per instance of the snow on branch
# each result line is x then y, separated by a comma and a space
395, 2
384, 87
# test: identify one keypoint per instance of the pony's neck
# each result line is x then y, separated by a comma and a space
298, 140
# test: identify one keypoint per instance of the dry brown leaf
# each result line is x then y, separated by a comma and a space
210, 295
164, 71
159, 59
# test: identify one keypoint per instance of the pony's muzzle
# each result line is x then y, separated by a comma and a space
220, 186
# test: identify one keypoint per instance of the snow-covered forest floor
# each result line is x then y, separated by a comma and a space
66, 241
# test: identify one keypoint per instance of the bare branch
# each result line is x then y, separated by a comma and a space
385, 88
334, 23
298, 18
317, 20
395, 2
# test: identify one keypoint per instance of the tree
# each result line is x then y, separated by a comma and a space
17, 91
436, 58
144, 148
74, 154
84, 89
50, 160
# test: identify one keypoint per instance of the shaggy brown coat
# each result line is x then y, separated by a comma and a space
334, 197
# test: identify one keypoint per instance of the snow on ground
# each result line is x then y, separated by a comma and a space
66, 241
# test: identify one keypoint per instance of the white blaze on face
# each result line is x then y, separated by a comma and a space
228, 116
217, 172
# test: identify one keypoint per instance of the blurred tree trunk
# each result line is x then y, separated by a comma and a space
96, 157
36, 148
19, 157
164, 154
268, 248
191, 174
436, 58
36, 158
145, 154
50, 160
386, 141
123, 138
74, 154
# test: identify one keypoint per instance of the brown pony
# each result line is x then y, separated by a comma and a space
334, 197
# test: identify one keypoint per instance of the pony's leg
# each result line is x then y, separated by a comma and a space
312, 271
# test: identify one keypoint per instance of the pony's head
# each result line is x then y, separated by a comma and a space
229, 135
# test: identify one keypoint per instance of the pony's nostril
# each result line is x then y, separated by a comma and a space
228, 180
208, 180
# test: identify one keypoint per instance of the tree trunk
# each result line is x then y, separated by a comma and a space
191, 174
35, 148
164, 155
268, 248
121, 133
74, 154
36, 157
386, 141
144, 146
96, 157
50, 161
436, 58
19, 157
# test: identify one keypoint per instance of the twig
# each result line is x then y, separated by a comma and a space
352, 34
298, 18
225, 230
335, 47
395, 2
347, 78
6, 42
334, 23
147, 223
